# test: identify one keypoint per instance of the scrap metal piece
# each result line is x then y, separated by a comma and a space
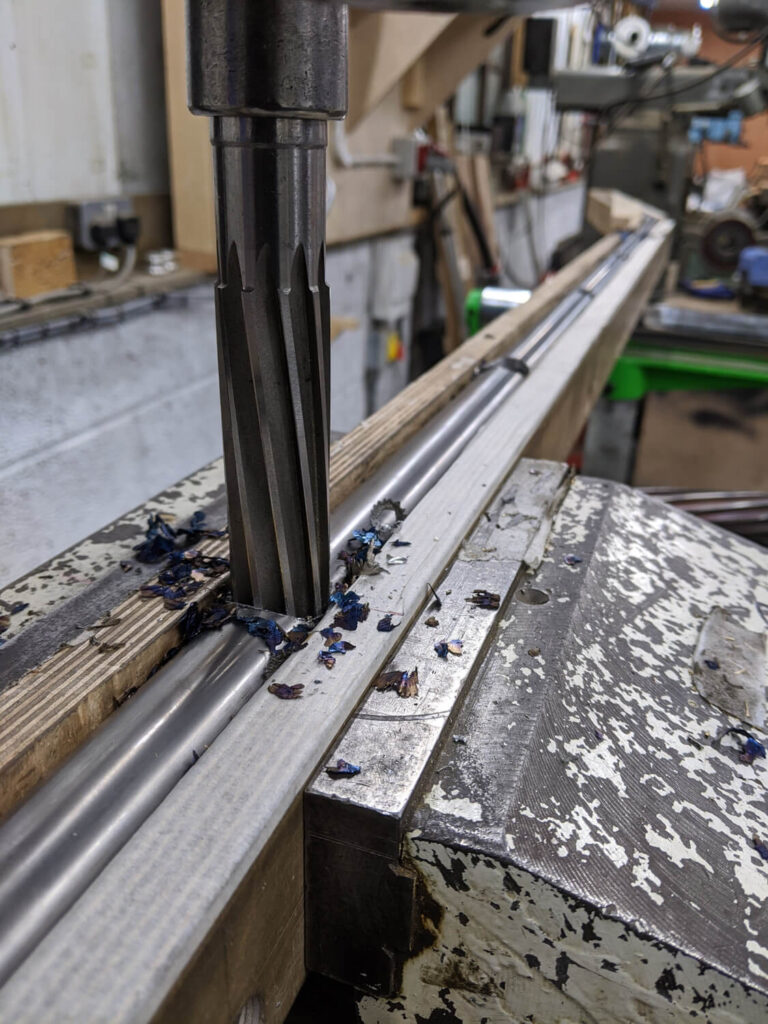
729, 667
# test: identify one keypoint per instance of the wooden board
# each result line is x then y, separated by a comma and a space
704, 439
383, 45
139, 284
36, 262
160, 903
50, 711
453, 269
463, 164
255, 947
483, 195
189, 151
609, 210
464, 44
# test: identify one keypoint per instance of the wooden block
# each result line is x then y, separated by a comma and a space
610, 210
36, 262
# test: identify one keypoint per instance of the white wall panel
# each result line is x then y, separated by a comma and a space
57, 131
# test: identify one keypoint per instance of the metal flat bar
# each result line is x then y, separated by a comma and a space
362, 820
715, 325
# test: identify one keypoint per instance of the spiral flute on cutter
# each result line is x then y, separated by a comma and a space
270, 74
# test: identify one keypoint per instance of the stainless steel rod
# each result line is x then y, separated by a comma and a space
53, 847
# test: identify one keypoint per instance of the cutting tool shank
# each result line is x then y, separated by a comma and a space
270, 74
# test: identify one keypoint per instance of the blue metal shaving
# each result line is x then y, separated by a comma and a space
446, 647
193, 621
286, 692
266, 630
184, 574
340, 647
484, 599
300, 629
215, 616
182, 564
190, 623
406, 684
401, 543
712, 663
291, 646
197, 528
350, 615
353, 560
343, 598
572, 559
295, 638
342, 768
19, 606
761, 848
409, 684
752, 748
327, 659
386, 625
173, 597
160, 540
368, 537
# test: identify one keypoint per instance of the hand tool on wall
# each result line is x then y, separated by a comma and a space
270, 74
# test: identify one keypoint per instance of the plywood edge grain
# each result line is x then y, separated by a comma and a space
55, 706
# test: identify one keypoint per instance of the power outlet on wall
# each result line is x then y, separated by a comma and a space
100, 224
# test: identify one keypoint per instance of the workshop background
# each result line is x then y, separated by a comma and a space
111, 394
427, 700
